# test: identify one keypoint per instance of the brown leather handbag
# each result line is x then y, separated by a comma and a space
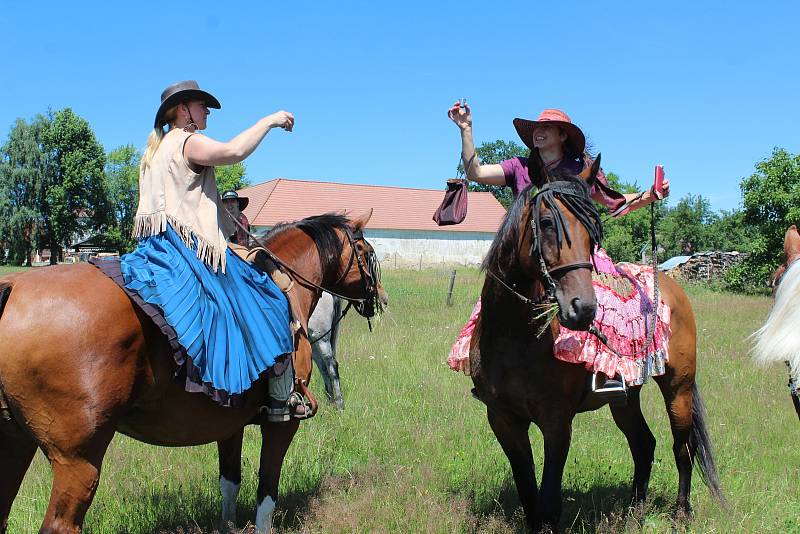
453, 208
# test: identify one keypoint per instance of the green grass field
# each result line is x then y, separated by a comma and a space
8, 269
413, 452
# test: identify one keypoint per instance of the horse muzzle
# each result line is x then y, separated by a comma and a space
577, 313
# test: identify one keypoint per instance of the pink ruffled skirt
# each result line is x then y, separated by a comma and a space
624, 312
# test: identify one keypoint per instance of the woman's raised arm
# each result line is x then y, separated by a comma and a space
491, 174
202, 150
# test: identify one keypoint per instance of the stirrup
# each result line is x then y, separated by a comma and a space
613, 390
287, 410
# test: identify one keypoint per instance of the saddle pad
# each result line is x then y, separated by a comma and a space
186, 372
624, 313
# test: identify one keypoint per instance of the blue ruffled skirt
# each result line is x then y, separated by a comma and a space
233, 325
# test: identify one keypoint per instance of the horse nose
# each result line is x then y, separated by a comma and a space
580, 314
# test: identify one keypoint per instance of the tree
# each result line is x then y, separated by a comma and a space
730, 232
231, 177
625, 237
22, 167
771, 202
495, 152
75, 199
122, 184
685, 228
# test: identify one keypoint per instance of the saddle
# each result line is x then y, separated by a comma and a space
634, 348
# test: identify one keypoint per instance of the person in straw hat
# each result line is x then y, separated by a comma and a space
229, 317
561, 145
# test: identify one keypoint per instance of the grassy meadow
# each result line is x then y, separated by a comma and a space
412, 451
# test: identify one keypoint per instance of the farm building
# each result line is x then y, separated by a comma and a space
401, 228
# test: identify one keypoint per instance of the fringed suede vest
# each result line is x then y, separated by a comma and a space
170, 192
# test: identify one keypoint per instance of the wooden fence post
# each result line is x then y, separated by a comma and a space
450, 290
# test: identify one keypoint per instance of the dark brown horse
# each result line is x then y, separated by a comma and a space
778, 339
80, 362
541, 255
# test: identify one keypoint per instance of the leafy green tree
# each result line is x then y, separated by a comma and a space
495, 152
231, 177
771, 203
122, 184
684, 229
626, 237
730, 232
75, 200
22, 168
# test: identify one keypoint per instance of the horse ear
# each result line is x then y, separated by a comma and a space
791, 242
589, 174
361, 221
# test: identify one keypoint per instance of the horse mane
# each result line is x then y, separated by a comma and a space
502, 255
322, 230
779, 339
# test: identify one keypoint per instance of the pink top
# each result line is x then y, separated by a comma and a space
516, 173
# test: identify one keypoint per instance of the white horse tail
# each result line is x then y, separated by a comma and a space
779, 339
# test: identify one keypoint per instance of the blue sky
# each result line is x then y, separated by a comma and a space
706, 88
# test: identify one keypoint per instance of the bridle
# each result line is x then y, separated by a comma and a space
368, 306
574, 197
370, 277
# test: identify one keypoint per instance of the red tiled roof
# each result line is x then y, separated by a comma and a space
394, 208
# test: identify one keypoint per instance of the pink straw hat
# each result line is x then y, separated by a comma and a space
575, 138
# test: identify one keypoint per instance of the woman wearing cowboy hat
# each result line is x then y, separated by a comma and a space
216, 303
561, 145
235, 205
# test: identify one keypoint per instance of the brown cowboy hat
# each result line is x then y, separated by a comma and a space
180, 92
575, 138
233, 195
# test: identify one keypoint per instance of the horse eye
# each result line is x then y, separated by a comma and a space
546, 223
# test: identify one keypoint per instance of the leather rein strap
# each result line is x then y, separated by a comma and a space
575, 198
308, 283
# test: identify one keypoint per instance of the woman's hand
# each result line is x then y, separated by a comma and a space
664, 192
281, 119
461, 116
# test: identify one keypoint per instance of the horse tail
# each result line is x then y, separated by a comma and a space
701, 441
337, 315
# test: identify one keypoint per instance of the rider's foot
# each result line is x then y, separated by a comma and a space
293, 408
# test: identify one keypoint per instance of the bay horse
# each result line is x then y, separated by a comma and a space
778, 340
541, 257
79, 361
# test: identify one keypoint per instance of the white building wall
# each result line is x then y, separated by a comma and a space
406, 248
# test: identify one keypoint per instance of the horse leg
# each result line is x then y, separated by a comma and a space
16, 452
641, 442
557, 435
512, 434
230, 475
76, 475
323, 352
678, 400
275, 441
318, 354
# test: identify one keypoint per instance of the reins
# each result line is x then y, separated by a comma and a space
337, 321
573, 196
582, 208
357, 301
